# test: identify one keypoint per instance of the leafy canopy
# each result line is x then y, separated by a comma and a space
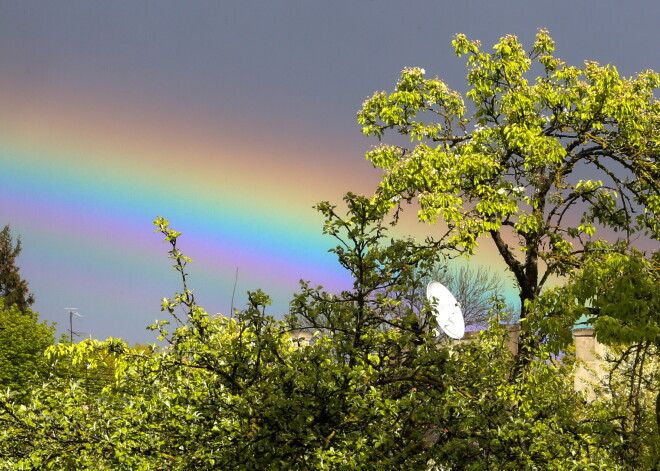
23, 341
543, 159
370, 392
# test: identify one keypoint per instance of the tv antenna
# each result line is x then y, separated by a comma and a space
446, 309
72, 314
231, 309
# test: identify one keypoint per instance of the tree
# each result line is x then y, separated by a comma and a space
13, 289
472, 415
628, 398
373, 389
476, 289
540, 166
237, 393
458, 412
23, 341
388, 286
621, 289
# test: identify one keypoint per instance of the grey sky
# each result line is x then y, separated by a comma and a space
279, 70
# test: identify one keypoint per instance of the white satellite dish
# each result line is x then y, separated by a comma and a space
447, 310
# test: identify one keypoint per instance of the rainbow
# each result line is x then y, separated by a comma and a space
82, 179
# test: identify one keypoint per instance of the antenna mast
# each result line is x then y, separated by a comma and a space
72, 314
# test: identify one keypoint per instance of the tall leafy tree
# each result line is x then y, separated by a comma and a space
23, 342
549, 161
13, 288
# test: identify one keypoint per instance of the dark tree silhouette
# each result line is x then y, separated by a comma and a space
12, 288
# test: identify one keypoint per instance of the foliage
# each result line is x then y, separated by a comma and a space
373, 388
370, 391
228, 394
561, 172
533, 421
629, 395
13, 289
471, 413
225, 394
23, 340
542, 166
383, 271
621, 287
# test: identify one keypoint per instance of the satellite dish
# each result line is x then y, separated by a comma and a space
446, 309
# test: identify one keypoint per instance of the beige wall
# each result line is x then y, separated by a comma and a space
589, 352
